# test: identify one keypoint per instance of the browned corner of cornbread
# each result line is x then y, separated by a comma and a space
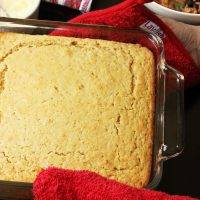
77, 104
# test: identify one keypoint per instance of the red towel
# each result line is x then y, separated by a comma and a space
132, 14
60, 184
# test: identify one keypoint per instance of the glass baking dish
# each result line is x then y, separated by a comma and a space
168, 133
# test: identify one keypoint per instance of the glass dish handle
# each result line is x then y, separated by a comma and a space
173, 138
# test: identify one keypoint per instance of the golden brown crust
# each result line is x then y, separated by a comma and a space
76, 104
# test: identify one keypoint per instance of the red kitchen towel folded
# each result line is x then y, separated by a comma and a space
60, 184
133, 14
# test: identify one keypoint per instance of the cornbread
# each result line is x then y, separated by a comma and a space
74, 103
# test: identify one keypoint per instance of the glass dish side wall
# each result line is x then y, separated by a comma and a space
107, 33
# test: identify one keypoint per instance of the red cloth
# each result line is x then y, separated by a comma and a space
60, 184
132, 14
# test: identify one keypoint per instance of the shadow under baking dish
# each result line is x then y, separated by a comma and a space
167, 140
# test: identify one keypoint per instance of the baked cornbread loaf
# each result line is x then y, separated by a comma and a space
76, 104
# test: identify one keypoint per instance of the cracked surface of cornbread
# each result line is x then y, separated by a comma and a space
77, 104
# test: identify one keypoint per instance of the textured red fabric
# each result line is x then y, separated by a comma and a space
131, 14
60, 184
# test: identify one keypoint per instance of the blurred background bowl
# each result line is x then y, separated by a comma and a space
20, 8
188, 18
34, 12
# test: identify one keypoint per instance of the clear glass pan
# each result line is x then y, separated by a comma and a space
168, 133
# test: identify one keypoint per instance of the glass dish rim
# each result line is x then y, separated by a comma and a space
53, 24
